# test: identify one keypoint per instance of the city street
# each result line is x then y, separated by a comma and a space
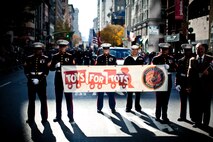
89, 125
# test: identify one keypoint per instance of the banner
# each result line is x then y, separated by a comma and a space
132, 78
178, 9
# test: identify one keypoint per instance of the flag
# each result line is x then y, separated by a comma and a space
94, 38
211, 65
127, 33
131, 36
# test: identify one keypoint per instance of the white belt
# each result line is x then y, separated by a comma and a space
58, 70
169, 73
35, 73
183, 75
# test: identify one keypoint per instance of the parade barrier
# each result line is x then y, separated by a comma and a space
132, 78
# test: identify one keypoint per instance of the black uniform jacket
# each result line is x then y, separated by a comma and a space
106, 60
36, 67
181, 74
195, 73
131, 61
165, 59
64, 59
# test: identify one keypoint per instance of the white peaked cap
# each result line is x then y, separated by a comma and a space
134, 47
62, 42
38, 45
106, 45
164, 45
186, 46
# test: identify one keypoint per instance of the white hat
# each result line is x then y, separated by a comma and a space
134, 47
164, 45
38, 45
62, 42
106, 45
186, 46
198, 44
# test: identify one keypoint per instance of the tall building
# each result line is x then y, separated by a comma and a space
51, 18
71, 14
118, 12
66, 12
58, 14
211, 27
95, 24
176, 28
75, 22
104, 13
199, 20
144, 18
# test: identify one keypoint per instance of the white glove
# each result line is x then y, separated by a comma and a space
178, 88
35, 81
166, 66
58, 65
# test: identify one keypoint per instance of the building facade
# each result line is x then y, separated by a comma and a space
75, 22
144, 18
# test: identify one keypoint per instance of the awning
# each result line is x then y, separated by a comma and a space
198, 8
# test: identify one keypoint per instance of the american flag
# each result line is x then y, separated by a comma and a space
211, 64
94, 39
131, 36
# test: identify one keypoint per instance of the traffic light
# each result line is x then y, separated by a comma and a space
67, 35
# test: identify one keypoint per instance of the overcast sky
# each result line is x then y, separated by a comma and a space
87, 12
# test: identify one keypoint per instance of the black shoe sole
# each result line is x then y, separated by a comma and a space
181, 119
56, 120
44, 121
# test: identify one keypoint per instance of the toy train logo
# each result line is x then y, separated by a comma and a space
98, 79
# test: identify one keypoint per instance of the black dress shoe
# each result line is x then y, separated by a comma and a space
138, 110
113, 111
165, 120
157, 119
56, 119
99, 111
196, 125
44, 121
30, 122
128, 110
181, 119
71, 120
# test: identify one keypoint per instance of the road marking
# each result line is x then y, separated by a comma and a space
110, 126
5, 84
160, 126
136, 118
128, 123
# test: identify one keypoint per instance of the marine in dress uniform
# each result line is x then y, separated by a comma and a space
36, 69
162, 97
200, 76
182, 82
78, 55
106, 59
87, 56
134, 59
58, 59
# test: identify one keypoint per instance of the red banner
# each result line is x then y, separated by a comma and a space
178, 9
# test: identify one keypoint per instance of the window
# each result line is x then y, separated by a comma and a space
122, 7
118, 8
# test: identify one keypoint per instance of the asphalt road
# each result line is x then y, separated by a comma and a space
89, 125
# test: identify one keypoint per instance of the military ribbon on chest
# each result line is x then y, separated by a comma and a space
110, 59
